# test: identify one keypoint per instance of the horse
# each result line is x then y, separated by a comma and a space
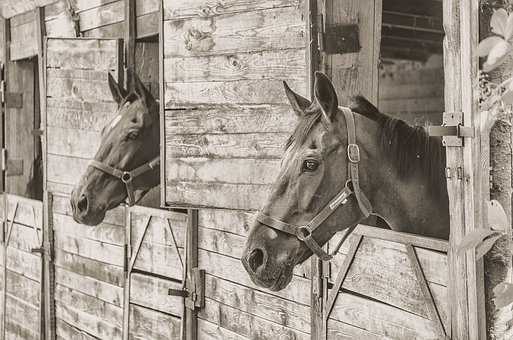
341, 165
126, 164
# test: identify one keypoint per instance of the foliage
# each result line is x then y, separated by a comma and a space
494, 98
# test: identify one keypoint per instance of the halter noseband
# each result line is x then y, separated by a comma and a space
352, 187
127, 177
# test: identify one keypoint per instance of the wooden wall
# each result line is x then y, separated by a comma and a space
413, 91
21, 274
225, 65
383, 294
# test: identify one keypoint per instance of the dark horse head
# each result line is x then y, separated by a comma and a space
400, 176
126, 163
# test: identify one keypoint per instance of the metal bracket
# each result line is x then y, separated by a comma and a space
338, 39
194, 292
452, 129
13, 100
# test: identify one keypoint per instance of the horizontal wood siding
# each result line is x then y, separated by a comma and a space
22, 273
381, 295
226, 64
88, 259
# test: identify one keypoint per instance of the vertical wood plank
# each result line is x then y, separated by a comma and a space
4, 60
129, 38
191, 316
162, 112
465, 191
126, 288
473, 187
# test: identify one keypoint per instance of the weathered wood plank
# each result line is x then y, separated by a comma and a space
24, 238
65, 331
24, 264
78, 84
228, 267
100, 251
212, 331
287, 64
23, 288
89, 286
147, 25
9, 9
91, 54
208, 195
85, 267
344, 331
233, 171
90, 305
208, 8
104, 232
101, 16
75, 114
86, 322
271, 29
27, 208
23, 40
110, 31
418, 105
22, 314
225, 119
237, 222
251, 145
271, 308
247, 324
62, 206
71, 142
152, 292
231, 92
153, 325
382, 319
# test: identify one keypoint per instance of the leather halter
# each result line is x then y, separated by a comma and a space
127, 177
352, 187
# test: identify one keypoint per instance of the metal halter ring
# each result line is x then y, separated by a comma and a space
303, 232
126, 177
353, 153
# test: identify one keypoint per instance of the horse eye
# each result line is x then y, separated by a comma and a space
310, 165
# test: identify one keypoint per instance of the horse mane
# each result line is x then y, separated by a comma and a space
409, 148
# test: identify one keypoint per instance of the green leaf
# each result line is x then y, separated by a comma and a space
503, 294
486, 45
497, 219
474, 239
498, 21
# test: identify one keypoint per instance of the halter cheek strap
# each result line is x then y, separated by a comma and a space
352, 187
127, 177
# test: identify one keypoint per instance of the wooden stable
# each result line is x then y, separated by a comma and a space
218, 70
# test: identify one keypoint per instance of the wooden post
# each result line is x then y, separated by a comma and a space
162, 109
130, 32
466, 291
191, 315
4, 38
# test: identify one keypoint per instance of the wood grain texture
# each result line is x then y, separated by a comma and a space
208, 8
23, 39
79, 54
152, 292
10, 8
278, 28
153, 325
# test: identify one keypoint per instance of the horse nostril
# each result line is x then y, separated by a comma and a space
256, 259
82, 203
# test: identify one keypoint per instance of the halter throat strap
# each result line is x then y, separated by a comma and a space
127, 177
352, 187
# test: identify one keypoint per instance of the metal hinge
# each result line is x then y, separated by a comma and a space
453, 131
194, 292
337, 39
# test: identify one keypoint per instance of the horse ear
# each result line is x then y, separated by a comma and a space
298, 103
139, 88
325, 96
118, 92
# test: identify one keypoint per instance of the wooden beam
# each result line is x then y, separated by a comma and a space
191, 315
466, 292
130, 35
162, 112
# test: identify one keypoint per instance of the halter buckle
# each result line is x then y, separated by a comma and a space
126, 177
353, 153
303, 233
